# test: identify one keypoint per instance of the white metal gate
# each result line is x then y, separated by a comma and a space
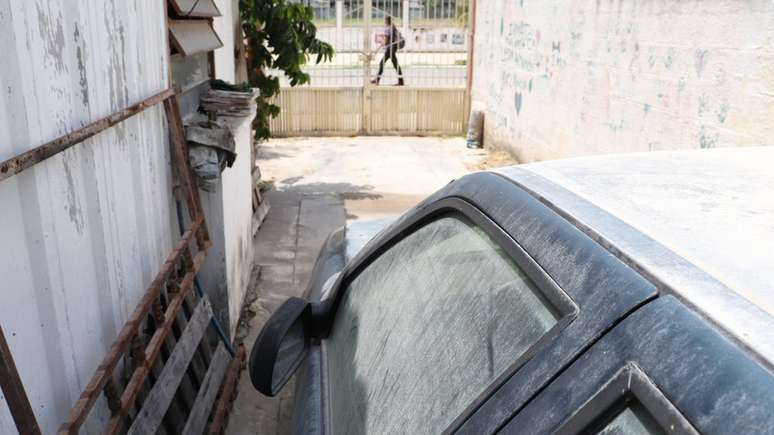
341, 100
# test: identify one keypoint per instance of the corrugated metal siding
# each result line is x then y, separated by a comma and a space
84, 231
401, 110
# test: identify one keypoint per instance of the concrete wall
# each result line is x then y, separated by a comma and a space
229, 210
227, 28
570, 77
84, 232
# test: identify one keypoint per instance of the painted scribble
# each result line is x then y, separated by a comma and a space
588, 76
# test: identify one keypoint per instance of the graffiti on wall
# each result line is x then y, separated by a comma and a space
609, 76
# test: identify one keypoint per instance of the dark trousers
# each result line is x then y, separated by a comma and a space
390, 53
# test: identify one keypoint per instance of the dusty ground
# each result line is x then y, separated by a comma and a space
491, 159
373, 175
319, 184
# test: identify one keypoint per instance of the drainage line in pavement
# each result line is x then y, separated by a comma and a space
213, 320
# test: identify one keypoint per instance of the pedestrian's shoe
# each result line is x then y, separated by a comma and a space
375, 81
400, 81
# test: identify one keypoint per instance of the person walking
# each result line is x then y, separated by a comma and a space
393, 41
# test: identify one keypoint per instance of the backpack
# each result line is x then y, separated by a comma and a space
400, 38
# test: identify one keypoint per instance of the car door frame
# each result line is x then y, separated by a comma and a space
547, 241
647, 358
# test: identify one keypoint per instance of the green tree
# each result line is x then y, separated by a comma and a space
280, 36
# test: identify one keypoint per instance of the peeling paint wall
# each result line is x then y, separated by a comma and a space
227, 27
225, 274
227, 270
84, 232
565, 78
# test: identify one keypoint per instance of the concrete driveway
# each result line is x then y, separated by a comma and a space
320, 183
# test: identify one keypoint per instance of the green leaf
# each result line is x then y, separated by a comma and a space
280, 36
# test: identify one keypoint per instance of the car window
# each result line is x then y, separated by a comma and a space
426, 327
633, 420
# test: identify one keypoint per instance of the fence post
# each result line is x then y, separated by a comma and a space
339, 17
471, 59
405, 17
367, 54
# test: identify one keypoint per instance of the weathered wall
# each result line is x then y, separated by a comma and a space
569, 77
229, 209
225, 274
238, 220
84, 232
227, 27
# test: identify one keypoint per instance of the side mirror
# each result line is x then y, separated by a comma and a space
281, 347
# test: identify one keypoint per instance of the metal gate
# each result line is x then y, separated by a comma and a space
341, 98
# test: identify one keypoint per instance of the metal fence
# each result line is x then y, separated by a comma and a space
432, 62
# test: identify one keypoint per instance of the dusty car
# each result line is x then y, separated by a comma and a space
623, 294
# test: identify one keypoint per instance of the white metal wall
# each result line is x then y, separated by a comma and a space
84, 232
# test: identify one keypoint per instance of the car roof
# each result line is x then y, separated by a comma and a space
711, 213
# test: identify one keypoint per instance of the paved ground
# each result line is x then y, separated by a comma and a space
319, 183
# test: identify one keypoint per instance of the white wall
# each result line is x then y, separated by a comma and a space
237, 183
225, 274
84, 232
227, 28
571, 77
229, 210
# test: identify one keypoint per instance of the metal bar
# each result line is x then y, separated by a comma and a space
153, 349
17, 164
405, 23
179, 146
90, 394
13, 390
218, 424
367, 55
471, 58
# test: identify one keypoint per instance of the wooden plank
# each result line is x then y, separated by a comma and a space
193, 36
205, 349
175, 416
260, 215
186, 392
195, 8
258, 194
160, 397
17, 164
13, 390
179, 146
209, 390
80, 410
153, 349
